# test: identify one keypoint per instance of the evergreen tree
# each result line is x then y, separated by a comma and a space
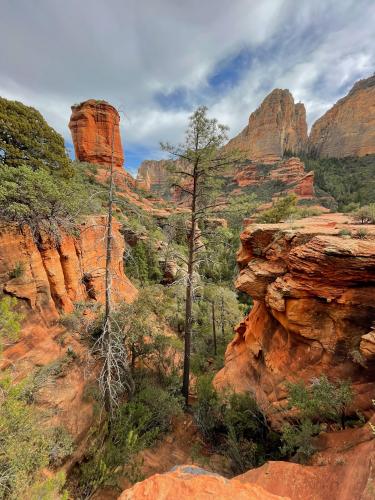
27, 139
195, 176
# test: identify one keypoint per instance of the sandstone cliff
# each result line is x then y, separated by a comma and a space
348, 128
153, 175
55, 276
52, 279
278, 125
313, 311
94, 126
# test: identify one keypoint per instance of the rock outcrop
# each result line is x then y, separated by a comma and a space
50, 280
153, 175
95, 130
348, 128
290, 172
342, 469
190, 482
54, 276
278, 125
314, 308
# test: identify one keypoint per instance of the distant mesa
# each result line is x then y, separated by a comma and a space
95, 130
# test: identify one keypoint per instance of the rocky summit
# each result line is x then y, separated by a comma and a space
348, 128
278, 125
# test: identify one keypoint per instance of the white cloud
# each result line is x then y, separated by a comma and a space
125, 51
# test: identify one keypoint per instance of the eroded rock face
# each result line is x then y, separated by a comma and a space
314, 308
153, 175
342, 468
290, 172
348, 128
94, 126
190, 482
53, 276
278, 125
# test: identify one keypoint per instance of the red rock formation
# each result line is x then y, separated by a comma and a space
56, 276
53, 278
94, 126
276, 126
341, 469
189, 482
348, 128
314, 307
153, 176
291, 172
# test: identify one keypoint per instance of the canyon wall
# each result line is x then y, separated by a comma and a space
348, 128
278, 125
313, 310
54, 276
95, 130
153, 175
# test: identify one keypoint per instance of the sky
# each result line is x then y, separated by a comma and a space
157, 60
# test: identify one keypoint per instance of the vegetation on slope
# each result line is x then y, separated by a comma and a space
351, 181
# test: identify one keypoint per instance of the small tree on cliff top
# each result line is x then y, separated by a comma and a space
195, 176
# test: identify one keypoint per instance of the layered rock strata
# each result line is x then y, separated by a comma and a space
290, 172
313, 311
348, 128
95, 130
55, 276
278, 125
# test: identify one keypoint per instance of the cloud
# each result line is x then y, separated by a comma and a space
159, 59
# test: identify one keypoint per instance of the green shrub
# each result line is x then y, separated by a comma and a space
27, 139
297, 439
62, 446
281, 209
50, 489
35, 198
26, 445
235, 427
137, 424
17, 271
207, 411
344, 232
321, 402
361, 234
10, 321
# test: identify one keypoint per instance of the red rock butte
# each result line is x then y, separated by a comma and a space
278, 125
95, 130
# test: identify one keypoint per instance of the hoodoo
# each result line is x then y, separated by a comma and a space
95, 130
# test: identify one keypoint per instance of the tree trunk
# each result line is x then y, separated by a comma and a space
189, 292
214, 327
108, 278
222, 319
